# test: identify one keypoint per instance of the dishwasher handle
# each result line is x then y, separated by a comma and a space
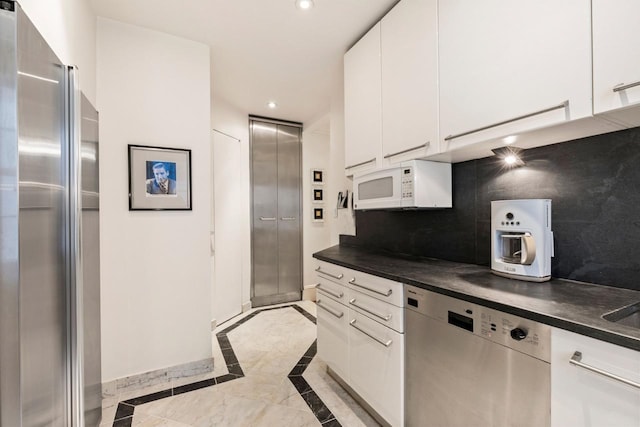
576, 360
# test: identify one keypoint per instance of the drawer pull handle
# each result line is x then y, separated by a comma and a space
379, 316
621, 87
384, 343
426, 144
386, 294
360, 164
328, 310
339, 276
576, 360
269, 218
288, 218
333, 294
565, 104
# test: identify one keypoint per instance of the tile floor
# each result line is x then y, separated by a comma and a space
265, 374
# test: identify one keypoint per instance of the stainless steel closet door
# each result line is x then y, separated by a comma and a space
276, 238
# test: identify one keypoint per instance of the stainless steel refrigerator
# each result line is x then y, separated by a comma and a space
49, 236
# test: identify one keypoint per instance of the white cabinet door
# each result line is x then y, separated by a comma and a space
500, 60
616, 56
580, 397
409, 44
376, 366
362, 105
333, 326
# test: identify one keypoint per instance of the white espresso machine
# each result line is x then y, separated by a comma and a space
521, 239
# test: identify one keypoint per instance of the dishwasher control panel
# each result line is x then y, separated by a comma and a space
523, 335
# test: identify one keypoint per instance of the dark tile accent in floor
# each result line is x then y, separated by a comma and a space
194, 386
313, 401
305, 313
125, 410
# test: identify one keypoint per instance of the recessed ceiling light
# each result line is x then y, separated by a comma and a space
512, 156
304, 4
272, 104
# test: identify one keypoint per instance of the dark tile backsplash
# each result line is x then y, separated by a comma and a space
594, 184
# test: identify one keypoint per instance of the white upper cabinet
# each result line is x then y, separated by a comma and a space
362, 105
410, 81
508, 67
616, 59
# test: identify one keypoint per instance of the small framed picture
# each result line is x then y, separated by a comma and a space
159, 178
318, 214
318, 195
317, 176
343, 199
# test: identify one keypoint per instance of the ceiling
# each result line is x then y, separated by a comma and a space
262, 50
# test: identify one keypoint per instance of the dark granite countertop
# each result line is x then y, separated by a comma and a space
565, 304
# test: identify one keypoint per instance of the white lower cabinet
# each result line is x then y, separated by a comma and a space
333, 327
376, 366
581, 397
360, 337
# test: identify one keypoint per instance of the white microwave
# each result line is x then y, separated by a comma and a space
416, 184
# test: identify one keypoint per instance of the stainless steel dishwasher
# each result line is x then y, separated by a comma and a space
469, 365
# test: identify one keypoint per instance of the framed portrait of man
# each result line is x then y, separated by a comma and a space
159, 178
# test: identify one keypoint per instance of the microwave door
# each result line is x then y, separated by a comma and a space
380, 190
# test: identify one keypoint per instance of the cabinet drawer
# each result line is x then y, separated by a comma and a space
376, 366
333, 290
376, 287
582, 397
333, 328
332, 272
380, 311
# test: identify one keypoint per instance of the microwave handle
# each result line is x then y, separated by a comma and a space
529, 252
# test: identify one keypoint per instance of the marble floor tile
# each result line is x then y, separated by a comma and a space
262, 347
145, 420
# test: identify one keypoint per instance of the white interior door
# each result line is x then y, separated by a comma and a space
227, 249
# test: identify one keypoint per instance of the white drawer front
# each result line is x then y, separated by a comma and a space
332, 272
380, 311
333, 328
376, 366
333, 290
376, 287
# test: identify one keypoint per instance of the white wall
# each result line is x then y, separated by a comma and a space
345, 222
155, 272
315, 155
69, 27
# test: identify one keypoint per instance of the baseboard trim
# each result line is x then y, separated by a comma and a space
168, 375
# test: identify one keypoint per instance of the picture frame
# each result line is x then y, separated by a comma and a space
343, 199
159, 178
318, 214
317, 195
317, 176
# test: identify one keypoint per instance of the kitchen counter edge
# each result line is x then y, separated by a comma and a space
560, 303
